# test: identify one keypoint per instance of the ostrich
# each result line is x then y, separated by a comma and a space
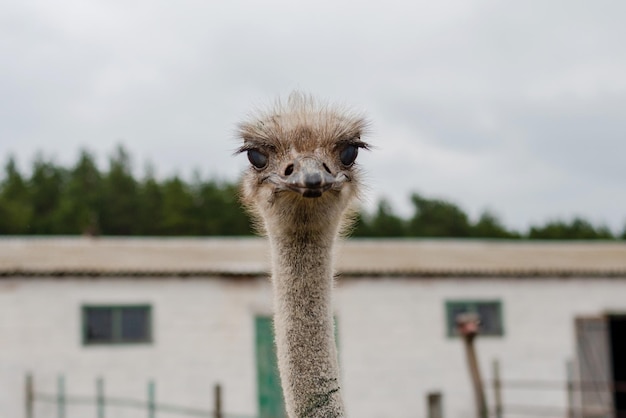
467, 326
300, 186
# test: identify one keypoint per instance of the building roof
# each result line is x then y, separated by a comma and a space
356, 257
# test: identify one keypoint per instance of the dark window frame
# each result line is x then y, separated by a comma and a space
471, 305
116, 326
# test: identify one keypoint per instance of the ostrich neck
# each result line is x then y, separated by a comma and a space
302, 278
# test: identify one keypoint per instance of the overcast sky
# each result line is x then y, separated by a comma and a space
516, 107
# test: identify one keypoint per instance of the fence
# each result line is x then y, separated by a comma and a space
573, 390
434, 401
100, 402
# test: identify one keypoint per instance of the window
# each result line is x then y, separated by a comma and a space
117, 324
489, 311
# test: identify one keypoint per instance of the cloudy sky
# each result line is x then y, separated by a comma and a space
516, 107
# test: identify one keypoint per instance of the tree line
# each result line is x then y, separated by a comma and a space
82, 199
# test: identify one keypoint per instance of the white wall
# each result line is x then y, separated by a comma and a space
393, 342
394, 347
203, 333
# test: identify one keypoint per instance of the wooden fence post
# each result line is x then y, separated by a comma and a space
61, 397
218, 401
151, 399
100, 397
29, 395
435, 407
569, 369
497, 389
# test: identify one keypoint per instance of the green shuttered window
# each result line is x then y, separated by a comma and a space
117, 324
489, 311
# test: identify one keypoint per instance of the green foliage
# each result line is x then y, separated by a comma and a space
85, 200
79, 209
150, 209
221, 209
437, 218
385, 223
15, 203
45, 186
120, 203
577, 229
489, 226
360, 226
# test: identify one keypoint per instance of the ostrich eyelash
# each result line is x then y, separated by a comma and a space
356, 142
254, 146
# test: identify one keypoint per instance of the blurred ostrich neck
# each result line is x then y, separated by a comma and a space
302, 277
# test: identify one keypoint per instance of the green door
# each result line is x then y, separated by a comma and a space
271, 403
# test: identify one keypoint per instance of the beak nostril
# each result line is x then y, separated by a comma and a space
289, 170
326, 168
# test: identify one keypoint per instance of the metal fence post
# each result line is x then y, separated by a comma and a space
61, 397
435, 408
29, 395
218, 401
569, 368
497, 389
151, 401
100, 397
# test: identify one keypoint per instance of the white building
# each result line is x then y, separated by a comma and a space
189, 313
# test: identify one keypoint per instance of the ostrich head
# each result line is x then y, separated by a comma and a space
468, 325
302, 175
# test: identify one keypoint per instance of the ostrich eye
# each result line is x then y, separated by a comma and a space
257, 158
348, 155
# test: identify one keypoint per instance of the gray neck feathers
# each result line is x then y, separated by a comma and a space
302, 278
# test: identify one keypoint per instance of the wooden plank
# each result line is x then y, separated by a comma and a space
594, 365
